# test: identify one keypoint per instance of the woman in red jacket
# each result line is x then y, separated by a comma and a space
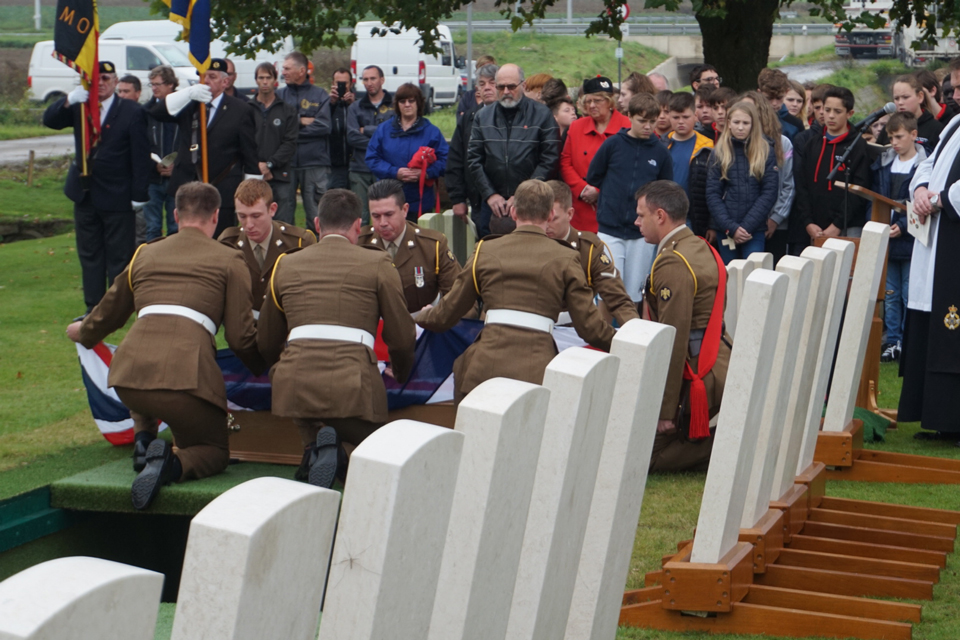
584, 138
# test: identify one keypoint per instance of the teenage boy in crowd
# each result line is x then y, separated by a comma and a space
704, 113
690, 152
773, 85
892, 173
825, 210
664, 126
797, 238
624, 163
717, 102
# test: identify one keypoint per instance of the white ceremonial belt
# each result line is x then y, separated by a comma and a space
179, 310
520, 319
331, 332
256, 314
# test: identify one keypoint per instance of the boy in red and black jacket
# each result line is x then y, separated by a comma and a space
823, 209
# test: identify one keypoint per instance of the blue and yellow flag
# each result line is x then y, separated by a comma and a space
194, 17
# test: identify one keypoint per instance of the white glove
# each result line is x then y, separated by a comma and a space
137, 206
78, 96
200, 93
252, 176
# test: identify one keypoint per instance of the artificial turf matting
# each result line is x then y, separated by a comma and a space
107, 488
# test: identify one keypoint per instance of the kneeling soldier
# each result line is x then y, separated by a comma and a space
318, 324
165, 369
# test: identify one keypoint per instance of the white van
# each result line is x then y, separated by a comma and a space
398, 54
49, 79
167, 31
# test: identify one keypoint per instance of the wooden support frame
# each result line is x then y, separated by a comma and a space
843, 453
767, 538
814, 478
795, 505
697, 586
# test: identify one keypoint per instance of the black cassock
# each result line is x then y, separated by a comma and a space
930, 365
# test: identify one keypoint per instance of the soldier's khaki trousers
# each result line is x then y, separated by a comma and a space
199, 428
672, 453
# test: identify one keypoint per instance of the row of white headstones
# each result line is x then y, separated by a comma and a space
520, 522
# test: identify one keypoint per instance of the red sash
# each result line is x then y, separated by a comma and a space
709, 348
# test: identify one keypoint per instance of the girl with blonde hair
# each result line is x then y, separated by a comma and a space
742, 182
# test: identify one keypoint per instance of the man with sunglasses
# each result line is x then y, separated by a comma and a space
513, 140
118, 175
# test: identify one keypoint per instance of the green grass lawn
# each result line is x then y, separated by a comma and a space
823, 54
17, 132
571, 58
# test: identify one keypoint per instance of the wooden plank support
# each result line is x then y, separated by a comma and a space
891, 510
909, 460
815, 479
767, 539
833, 603
747, 618
878, 536
859, 564
840, 448
879, 551
844, 583
795, 506
694, 586
872, 471
647, 594
904, 525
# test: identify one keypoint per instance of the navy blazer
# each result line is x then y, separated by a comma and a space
231, 138
120, 164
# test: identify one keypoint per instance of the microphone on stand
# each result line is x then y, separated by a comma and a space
876, 115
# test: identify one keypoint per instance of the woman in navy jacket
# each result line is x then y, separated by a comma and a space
398, 140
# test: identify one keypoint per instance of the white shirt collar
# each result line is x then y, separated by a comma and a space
105, 106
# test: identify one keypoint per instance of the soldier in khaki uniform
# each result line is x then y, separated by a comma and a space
260, 238
182, 289
681, 291
599, 269
425, 263
524, 280
318, 325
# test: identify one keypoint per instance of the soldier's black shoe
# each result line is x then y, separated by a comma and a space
140, 453
324, 463
343, 461
158, 471
309, 455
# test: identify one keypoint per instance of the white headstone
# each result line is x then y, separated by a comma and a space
761, 260
828, 344
255, 563
502, 423
800, 272
581, 383
393, 527
856, 326
737, 273
644, 349
80, 599
741, 410
824, 264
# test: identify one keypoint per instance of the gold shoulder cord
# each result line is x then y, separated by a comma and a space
299, 243
436, 269
590, 266
476, 254
677, 253
273, 291
130, 266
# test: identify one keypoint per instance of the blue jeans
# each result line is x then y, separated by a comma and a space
153, 211
754, 245
895, 299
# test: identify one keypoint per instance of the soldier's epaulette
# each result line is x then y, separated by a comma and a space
375, 247
229, 234
292, 251
564, 243
431, 234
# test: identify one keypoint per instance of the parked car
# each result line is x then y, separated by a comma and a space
49, 79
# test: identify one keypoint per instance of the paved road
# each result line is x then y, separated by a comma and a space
814, 71
14, 151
